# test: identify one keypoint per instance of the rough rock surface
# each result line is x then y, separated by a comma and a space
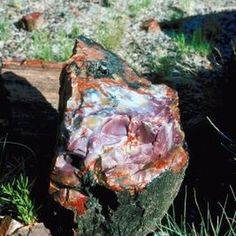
34, 230
32, 21
120, 152
11, 227
8, 225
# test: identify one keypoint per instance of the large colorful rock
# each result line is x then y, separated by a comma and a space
120, 157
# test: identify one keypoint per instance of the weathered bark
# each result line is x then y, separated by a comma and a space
120, 159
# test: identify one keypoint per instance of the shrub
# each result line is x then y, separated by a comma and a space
16, 194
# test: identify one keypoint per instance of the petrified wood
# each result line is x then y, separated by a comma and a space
120, 157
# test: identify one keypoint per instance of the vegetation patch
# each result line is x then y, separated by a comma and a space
197, 43
136, 7
5, 32
110, 34
209, 225
15, 186
15, 195
57, 47
172, 70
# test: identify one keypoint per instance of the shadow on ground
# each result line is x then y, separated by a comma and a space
34, 123
212, 169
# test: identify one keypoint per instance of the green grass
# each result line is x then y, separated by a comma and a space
207, 227
15, 3
136, 7
15, 159
16, 194
173, 70
107, 3
196, 43
175, 66
182, 43
163, 65
181, 9
176, 14
46, 48
110, 34
50, 47
5, 32
75, 32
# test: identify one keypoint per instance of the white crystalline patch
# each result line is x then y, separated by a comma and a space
128, 99
169, 134
158, 91
60, 162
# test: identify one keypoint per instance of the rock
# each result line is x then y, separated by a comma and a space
151, 25
37, 229
32, 21
120, 156
8, 225
11, 227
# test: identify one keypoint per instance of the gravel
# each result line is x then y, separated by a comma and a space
136, 46
64, 15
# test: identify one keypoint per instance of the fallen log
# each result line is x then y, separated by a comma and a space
27, 97
120, 157
4, 106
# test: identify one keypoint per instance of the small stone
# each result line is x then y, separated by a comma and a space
70, 199
37, 229
76, 12
32, 21
8, 225
151, 25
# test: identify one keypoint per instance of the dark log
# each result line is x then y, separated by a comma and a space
32, 99
30, 137
4, 108
120, 157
